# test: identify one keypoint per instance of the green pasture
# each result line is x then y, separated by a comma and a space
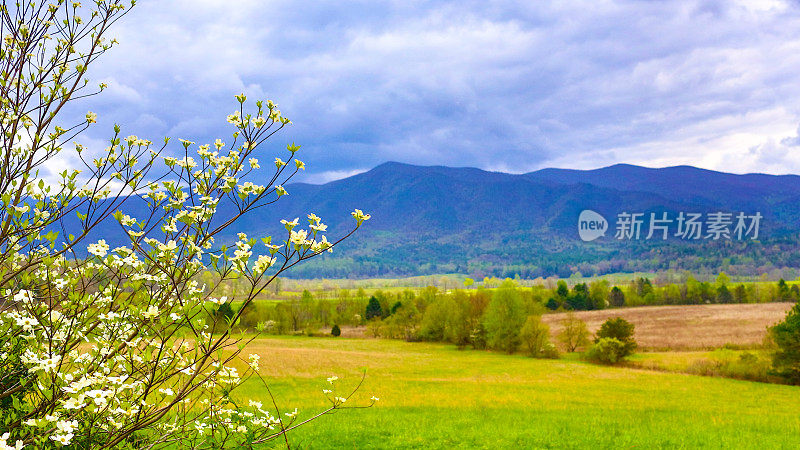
435, 396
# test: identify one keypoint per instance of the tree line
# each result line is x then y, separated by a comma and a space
461, 316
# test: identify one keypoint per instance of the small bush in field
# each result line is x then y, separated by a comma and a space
613, 343
607, 351
336, 331
621, 330
748, 358
705, 366
747, 366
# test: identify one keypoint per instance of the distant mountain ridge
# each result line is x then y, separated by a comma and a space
434, 219
408, 197
685, 182
437, 219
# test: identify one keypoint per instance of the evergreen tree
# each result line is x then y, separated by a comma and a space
616, 297
224, 312
784, 294
740, 294
580, 297
373, 309
724, 295
396, 306
562, 291
643, 286
598, 294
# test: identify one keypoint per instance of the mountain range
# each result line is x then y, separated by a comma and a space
441, 219
435, 219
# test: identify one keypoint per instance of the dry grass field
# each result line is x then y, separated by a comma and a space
688, 327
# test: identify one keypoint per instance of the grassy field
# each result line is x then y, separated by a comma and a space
434, 396
689, 327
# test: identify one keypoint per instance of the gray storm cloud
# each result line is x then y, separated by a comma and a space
486, 84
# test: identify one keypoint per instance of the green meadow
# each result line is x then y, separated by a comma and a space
435, 396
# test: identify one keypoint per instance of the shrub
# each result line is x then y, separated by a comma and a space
613, 343
267, 326
723, 363
748, 358
374, 328
706, 367
621, 330
607, 351
786, 336
336, 331
535, 337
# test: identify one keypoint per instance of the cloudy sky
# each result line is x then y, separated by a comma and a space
501, 85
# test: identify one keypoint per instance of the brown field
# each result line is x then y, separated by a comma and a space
688, 327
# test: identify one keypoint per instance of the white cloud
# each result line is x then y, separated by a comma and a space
754, 142
331, 175
493, 84
120, 92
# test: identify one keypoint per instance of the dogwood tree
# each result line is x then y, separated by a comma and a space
112, 346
